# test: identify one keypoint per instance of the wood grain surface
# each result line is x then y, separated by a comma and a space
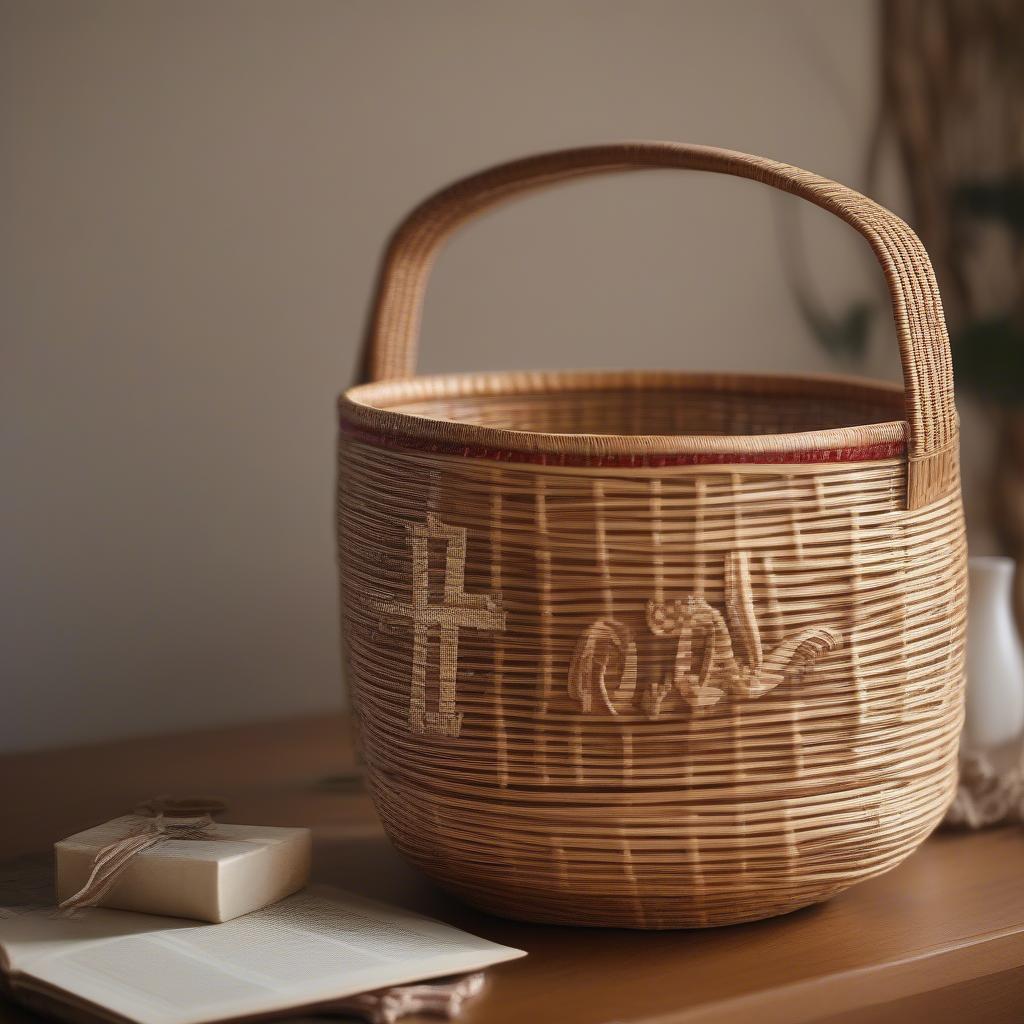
939, 939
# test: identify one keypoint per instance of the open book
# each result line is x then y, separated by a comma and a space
309, 950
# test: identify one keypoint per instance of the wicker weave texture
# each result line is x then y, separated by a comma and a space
651, 650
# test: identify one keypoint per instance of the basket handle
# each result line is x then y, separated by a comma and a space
389, 349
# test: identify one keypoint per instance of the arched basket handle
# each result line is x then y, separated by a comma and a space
391, 340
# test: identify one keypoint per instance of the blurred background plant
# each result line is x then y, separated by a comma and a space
951, 104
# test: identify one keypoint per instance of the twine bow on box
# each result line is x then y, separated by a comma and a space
159, 819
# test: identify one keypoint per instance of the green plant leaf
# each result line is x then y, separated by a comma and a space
1001, 200
988, 359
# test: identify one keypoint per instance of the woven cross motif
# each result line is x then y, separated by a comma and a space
457, 610
706, 665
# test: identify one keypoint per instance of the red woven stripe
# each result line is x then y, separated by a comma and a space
861, 453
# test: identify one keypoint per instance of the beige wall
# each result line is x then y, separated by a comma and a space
194, 197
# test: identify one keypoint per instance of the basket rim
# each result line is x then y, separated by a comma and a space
368, 412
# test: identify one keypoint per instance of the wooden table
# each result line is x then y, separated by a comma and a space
939, 939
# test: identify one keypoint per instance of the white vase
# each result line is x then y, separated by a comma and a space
995, 662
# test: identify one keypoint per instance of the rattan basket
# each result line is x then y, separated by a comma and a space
652, 649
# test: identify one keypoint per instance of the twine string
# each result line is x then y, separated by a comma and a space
158, 820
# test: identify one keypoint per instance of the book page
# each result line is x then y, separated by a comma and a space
315, 946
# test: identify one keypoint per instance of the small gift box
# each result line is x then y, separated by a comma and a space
171, 858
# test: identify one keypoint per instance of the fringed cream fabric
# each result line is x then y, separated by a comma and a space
986, 796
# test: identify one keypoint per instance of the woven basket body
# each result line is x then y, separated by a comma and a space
653, 649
